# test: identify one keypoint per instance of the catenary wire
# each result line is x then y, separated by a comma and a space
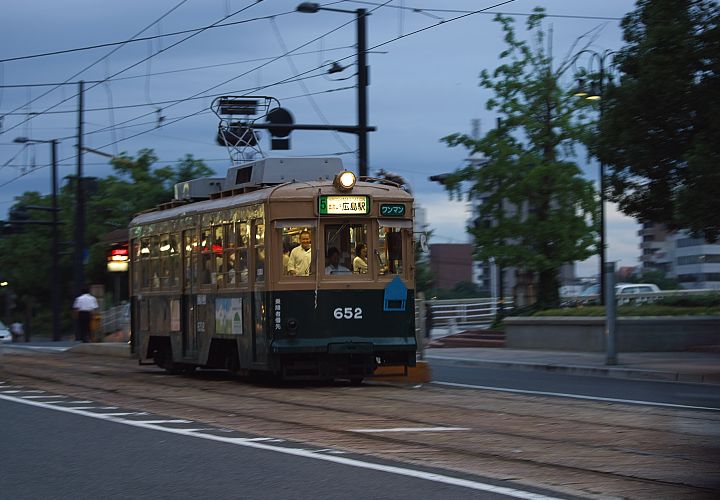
135, 64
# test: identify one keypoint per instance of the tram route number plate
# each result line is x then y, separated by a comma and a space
392, 209
339, 205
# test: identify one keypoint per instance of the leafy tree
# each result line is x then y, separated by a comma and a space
537, 213
111, 203
660, 130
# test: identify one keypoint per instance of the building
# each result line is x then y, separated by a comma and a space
451, 263
693, 262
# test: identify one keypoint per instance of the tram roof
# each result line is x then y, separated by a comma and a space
298, 190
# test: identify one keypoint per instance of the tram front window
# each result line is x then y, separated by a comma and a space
346, 249
297, 250
389, 254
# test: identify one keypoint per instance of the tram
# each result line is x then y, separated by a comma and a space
288, 267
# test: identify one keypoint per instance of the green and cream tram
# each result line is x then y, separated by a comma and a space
286, 266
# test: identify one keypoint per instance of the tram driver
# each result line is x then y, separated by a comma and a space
334, 266
300, 256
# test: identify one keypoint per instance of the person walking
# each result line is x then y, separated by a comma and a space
85, 304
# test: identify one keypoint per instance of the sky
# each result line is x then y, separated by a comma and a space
425, 58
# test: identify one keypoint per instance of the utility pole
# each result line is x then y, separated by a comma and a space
362, 93
55, 248
78, 271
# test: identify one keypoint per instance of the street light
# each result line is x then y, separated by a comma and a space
55, 239
362, 83
603, 62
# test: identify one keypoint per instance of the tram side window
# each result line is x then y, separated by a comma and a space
190, 257
165, 264
219, 269
346, 249
174, 252
229, 255
389, 254
137, 268
259, 242
243, 242
145, 263
155, 264
297, 255
205, 271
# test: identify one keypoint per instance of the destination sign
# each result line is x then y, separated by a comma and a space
392, 209
343, 205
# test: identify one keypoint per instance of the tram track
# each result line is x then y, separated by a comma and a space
275, 413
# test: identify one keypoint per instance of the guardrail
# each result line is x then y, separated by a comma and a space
637, 298
115, 319
456, 312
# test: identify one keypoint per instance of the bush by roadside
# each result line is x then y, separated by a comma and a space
656, 309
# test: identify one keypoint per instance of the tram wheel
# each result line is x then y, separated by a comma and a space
356, 380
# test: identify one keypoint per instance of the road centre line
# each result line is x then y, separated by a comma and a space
413, 429
575, 396
298, 452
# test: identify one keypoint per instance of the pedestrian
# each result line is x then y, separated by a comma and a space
17, 331
84, 306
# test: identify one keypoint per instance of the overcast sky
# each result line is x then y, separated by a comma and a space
423, 86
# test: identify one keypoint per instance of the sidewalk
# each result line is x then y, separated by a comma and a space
695, 367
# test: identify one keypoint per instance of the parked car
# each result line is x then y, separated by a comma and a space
627, 293
5, 335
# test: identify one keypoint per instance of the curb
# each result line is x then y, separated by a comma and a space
116, 349
418, 374
628, 373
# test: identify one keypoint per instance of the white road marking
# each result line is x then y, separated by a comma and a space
576, 396
414, 429
45, 397
352, 462
174, 421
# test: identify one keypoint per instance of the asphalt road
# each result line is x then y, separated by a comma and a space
564, 385
51, 454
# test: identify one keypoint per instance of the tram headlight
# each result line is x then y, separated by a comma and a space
344, 181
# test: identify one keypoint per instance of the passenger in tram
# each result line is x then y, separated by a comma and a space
360, 263
300, 256
334, 266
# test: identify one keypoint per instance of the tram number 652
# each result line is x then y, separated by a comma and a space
348, 313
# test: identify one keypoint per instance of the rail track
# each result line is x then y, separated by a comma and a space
573, 447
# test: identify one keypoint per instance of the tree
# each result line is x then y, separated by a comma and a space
660, 129
111, 203
537, 212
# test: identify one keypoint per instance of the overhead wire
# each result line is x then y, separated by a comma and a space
143, 60
464, 15
304, 87
169, 72
103, 57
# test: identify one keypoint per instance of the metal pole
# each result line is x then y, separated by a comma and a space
55, 249
603, 282
362, 94
79, 202
610, 314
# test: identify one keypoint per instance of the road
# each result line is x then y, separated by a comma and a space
53, 454
561, 445
642, 392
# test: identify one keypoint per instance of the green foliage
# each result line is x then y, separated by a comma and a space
538, 213
25, 257
660, 129
708, 300
655, 309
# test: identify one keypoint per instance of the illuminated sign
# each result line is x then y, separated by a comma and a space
392, 209
343, 205
117, 259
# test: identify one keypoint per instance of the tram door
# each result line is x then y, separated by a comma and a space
188, 306
258, 296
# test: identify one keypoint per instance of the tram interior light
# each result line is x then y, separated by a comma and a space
345, 181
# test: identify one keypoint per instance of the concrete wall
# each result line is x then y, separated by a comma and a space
633, 334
